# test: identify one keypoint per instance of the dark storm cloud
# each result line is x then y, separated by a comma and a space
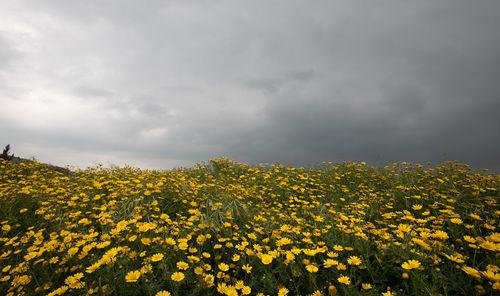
169, 83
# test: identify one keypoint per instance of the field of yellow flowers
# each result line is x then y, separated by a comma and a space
226, 228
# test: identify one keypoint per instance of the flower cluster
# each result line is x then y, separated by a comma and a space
225, 228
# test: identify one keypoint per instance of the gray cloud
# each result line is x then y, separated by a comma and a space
172, 83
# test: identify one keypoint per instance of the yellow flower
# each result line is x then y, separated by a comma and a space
344, 280
283, 291
247, 268
332, 290
411, 264
366, 286
177, 276
133, 276
312, 268
163, 293
246, 290
157, 257
496, 286
491, 275
471, 271
182, 265
388, 293
223, 266
354, 260
183, 246
266, 259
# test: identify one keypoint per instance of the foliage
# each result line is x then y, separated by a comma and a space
5, 154
225, 228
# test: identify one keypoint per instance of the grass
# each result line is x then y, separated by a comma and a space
226, 228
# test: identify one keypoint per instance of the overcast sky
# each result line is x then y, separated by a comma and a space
161, 84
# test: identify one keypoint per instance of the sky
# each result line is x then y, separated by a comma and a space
164, 84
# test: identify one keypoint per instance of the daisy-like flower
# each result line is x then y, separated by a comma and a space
177, 276
133, 276
182, 265
223, 266
327, 263
157, 257
471, 271
366, 286
163, 293
344, 280
411, 264
266, 259
354, 260
247, 268
283, 291
312, 268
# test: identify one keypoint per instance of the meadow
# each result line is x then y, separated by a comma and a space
226, 228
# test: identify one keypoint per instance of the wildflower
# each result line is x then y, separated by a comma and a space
266, 259
388, 293
496, 286
209, 279
332, 290
163, 293
344, 280
456, 221
354, 260
246, 290
411, 264
177, 276
474, 216
338, 248
223, 266
491, 275
439, 234
157, 257
183, 246
182, 265
283, 291
247, 268
488, 245
405, 275
74, 282
332, 254
327, 263
132, 276
493, 268
469, 239
312, 268
471, 271
222, 288
93, 267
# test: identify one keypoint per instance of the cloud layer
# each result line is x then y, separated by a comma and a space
169, 83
